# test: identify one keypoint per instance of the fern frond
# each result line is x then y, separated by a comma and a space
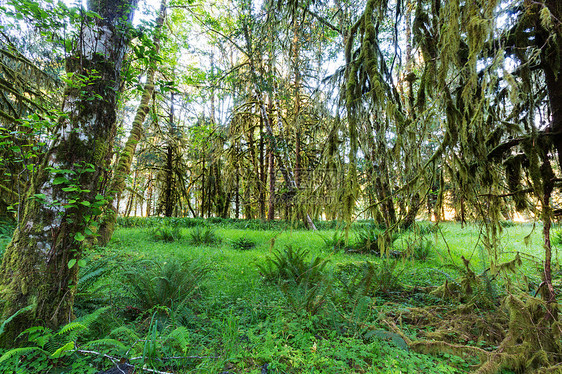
125, 333
20, 351
114, 343
68, 347
9, 319
71, 327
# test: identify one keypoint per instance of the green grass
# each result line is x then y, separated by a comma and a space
236, 321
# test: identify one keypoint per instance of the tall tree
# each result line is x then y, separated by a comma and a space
123, 169
39, 268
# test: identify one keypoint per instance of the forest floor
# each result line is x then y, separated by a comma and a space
245, 297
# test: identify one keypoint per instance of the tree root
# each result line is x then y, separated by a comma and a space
531, 345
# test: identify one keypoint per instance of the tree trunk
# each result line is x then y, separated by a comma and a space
168, 193
271, 208
263, 176
40, 264
117, 186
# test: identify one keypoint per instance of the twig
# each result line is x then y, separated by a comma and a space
176, 358
156, 371
113, 359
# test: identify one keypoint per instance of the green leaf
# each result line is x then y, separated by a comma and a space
22, 310
59, 180
79, 237
85, 203
71, 263
62, 350
82, 263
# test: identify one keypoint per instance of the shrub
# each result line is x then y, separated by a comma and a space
203, 235
243, 244
507, 223
303, 282
170, 284
166, 233
368, 279
369, 239
423, 229
419, 249
336, 242
292, 265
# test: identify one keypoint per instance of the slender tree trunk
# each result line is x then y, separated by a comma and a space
263, 176
39, 268
203, 194
237, 194
149, 192
271, 207
168, 193
117, 186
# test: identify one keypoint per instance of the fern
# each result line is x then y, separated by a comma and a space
21, 351
9, 319
179, 339
107, 342
153, 284
71, 328
125, 334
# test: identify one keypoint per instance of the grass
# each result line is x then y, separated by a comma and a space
240, 323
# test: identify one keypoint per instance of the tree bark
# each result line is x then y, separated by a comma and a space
40, 264
117, 186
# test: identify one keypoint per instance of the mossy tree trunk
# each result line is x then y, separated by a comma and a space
123, 169
40, 263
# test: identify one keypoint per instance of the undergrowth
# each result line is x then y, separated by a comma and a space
292, 304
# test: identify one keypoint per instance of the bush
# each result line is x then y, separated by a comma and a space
170, 284
203, 236
243, 244
292, 265
167, 234
336, 242
302, 281
368, 279
369, 239
423, 229
420, 249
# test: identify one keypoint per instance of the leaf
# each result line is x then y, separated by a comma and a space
62, 350
22, 310
59, 180
71, 263
79, 237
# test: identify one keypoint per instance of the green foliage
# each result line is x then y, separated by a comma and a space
507, 223
556, 237
422, 229
302, 281
6, 230
368, 279
48, 351
336, 242
419, 249
243, 244
203, 235
292, 265
370, 239
166, 233
170, 284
